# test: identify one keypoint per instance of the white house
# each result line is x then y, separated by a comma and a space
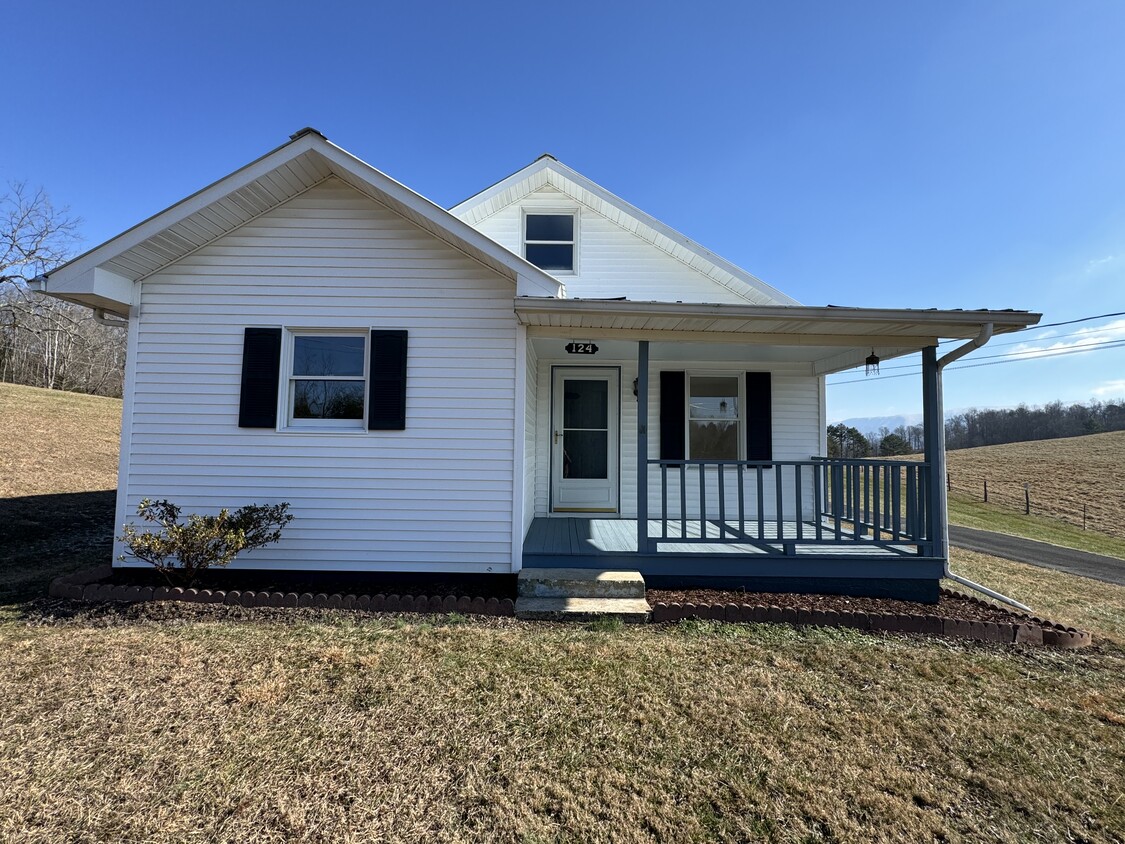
504, 384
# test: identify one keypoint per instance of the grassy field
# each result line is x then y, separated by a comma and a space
1064, 475
168, 722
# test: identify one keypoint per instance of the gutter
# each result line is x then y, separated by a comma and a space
983, 337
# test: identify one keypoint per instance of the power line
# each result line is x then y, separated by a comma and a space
1006, 358
1053, 324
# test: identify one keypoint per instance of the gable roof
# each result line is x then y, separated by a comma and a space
102, 277
549, 171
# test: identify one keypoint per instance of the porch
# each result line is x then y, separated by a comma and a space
630, 462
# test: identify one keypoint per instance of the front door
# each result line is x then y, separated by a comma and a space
584, 433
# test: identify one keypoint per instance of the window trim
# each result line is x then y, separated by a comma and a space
740, 382
285, 421
575, 213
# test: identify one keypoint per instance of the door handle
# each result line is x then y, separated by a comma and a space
556, 437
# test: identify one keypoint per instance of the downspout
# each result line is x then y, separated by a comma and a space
983, 337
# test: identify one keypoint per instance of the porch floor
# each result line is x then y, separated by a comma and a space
582, 537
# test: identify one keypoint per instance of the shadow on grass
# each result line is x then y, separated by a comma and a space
44, 536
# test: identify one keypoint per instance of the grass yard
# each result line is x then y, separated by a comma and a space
174, 722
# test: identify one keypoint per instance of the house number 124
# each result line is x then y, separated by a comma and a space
581, 349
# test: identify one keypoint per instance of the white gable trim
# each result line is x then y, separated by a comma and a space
547, 171
257, 188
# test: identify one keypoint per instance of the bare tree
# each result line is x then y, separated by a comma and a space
45, 342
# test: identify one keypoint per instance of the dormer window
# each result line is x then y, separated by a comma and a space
549, 241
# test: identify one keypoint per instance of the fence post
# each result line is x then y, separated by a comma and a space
1083, 517
986, 490
1027, 499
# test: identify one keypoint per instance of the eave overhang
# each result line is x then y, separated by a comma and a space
836, 338
259, 187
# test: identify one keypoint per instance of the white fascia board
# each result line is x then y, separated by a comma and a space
553, 166
924, 320
181, 210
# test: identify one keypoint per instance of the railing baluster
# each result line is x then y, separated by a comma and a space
683, 501
866, 496
876, 528
818, 510
896, 503
761, 504
800, 504
741, 502
663, 500
911, 502
837, 498
777, 500
702, 500
853, 495
721, 475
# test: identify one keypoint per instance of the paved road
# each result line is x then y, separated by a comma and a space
1109, 569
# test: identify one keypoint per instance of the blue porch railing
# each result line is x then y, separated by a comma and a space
821, 501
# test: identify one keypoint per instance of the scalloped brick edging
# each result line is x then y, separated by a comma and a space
1033, 631
86, 586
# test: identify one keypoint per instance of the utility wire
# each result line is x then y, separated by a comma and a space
1011, 358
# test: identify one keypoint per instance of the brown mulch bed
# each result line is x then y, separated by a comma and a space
948, 606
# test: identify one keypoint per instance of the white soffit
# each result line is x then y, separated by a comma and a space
548, 171
260, 187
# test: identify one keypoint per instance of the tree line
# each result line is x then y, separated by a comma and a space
45, 342
975, 427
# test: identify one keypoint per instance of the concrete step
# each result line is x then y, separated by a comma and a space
580, 583
582, 609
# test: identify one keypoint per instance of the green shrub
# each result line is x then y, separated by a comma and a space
180, 551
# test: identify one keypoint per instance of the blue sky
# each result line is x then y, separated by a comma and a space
903, 154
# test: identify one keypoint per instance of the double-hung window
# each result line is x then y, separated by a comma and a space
327, 380
714, 417
549, 241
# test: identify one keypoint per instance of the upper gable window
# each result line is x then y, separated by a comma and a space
549, 241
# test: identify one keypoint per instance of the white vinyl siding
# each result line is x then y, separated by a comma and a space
611, 260
530, 437
437, 496
796, 413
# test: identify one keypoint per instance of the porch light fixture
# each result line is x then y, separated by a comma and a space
872, 364
635, 380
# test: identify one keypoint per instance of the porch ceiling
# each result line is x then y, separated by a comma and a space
830, 338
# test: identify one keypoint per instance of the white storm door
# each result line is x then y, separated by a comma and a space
584, 439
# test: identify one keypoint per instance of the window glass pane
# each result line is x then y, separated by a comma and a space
327, 399
713, 440
328, 355
550, 227
550, 257
585, 404
714, 397
586, 454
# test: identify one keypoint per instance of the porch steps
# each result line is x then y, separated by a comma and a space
573, 594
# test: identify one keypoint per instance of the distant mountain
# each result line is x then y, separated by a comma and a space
872, 424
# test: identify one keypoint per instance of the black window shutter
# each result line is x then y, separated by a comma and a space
261, 371
759, 416
672, 410
386, 389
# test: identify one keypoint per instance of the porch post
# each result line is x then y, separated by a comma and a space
642, 447
933, 428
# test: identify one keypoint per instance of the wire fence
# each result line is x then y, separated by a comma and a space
1085, 506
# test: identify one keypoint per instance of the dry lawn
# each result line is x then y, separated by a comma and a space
57, 442
345, 729
1064, 474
